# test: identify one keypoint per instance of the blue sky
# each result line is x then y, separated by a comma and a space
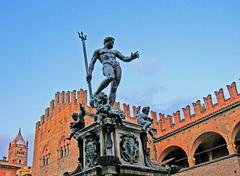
188, 49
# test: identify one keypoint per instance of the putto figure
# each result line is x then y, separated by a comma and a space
104, 109
145, 120
111, 68
78, 122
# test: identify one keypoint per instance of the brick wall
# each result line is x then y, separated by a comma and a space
227, 166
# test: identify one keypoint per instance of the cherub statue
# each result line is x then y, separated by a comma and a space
145, 120
78, 121
104, 109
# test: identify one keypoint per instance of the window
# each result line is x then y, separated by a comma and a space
45, 160
45, 156
63, 148
64, 151
61, 152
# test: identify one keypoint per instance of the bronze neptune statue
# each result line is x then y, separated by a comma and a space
111, 68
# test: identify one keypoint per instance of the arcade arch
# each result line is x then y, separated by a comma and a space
174, 155
236, 137
209, 146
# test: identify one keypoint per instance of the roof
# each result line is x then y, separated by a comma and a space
19, 139
7, 165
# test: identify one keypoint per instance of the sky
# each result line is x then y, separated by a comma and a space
188, 49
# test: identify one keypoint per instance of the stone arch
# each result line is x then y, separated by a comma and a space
236, 137
174, 155
209, 146
63, 141
45, 150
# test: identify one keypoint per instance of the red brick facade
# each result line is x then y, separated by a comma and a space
206, 135
53, 154
7, 169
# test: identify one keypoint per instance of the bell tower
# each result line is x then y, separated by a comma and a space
18, 150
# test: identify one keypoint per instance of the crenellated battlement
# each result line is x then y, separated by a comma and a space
163, 123
63, 100
170, 123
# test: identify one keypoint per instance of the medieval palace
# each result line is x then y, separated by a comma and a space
205, 140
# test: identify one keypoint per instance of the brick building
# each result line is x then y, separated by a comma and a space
8, 169
17, 156
53, 155
205, 140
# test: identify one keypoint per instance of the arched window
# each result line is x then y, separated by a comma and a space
45, 156
43, 161
63, 148
61, 152
67, 149
46, 161
209, 146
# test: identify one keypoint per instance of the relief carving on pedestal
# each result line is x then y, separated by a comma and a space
91, 150
129, 148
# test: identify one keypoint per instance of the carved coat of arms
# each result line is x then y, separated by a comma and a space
91, 151
129, 148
